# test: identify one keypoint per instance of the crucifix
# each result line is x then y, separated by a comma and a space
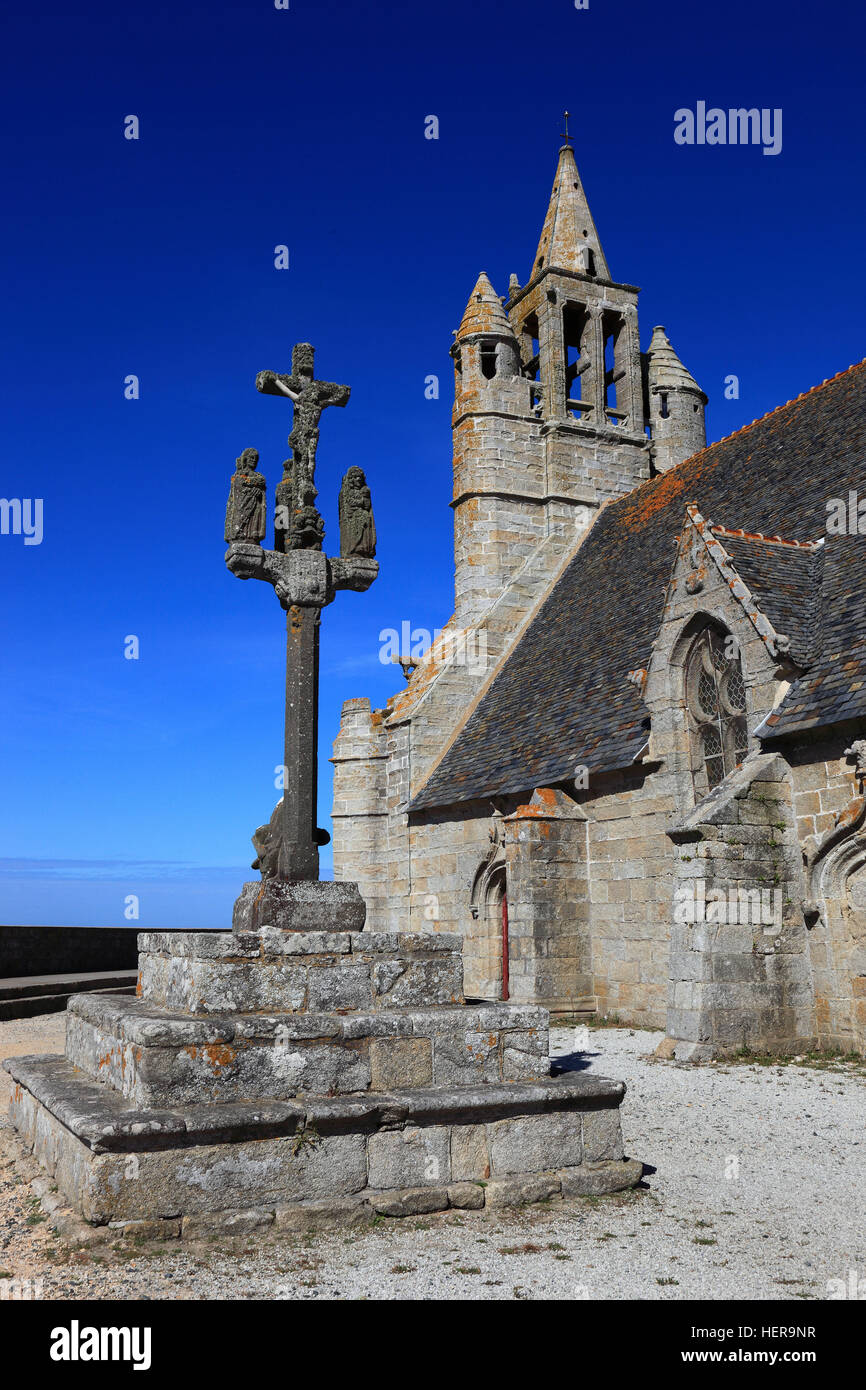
305, 581
309, 398
565, 135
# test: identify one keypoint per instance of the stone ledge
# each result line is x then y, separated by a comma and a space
104, 1123
151, 1025
279, 1185
227, 945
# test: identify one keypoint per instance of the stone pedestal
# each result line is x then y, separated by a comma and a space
307, 906
291, 1078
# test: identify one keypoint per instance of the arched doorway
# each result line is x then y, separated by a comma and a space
836, 914
485, 951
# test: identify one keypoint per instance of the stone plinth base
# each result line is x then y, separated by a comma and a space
295, 1164
314, 905
153, 1057
298, 971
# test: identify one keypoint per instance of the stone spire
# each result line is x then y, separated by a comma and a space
569, 240
484, 312
676, 405
666, 371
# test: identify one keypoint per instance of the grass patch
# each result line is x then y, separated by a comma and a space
820, 1059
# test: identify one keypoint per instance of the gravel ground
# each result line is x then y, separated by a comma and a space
754, 1191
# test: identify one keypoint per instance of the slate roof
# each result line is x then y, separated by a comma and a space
786, 583
562, 698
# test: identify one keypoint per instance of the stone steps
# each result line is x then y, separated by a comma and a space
315, 971
401, 1152
154, 1056
262, 1071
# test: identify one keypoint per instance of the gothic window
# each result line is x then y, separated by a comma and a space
663, 405
716, 705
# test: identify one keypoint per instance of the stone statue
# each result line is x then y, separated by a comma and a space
857, 752
284, 511
267, 840
246, 513
357, 527
308, 529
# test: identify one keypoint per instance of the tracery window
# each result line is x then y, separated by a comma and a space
716, 704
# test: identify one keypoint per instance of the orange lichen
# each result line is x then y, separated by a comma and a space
655, 494
218, 1055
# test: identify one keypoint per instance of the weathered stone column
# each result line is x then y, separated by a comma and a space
628, 341
299, 852
739, 966
594, 340
551, 349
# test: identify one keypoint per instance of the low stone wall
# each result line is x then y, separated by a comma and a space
62, 950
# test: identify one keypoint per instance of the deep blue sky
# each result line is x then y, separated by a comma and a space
155, 257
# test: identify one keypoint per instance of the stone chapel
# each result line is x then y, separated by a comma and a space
631, 769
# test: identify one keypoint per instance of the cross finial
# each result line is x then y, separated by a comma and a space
566, 137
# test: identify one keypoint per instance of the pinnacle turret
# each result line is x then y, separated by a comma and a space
484, 312
675, 405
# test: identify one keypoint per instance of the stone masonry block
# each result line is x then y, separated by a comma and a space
534, 1144
400, 1062
470, 1156
602, 1135
409, 1157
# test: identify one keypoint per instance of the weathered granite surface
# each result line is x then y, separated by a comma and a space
319, 1160
310, 905
152, 1056
261, 1072
296, 971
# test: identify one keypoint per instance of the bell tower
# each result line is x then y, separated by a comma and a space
578, 334
548, 417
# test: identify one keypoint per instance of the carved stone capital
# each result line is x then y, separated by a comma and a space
301, 578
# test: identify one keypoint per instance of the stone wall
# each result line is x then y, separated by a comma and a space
63, 950
548, 903
830, 811
740, 973
630, 893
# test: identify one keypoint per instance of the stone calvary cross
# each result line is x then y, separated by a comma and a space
305, 580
